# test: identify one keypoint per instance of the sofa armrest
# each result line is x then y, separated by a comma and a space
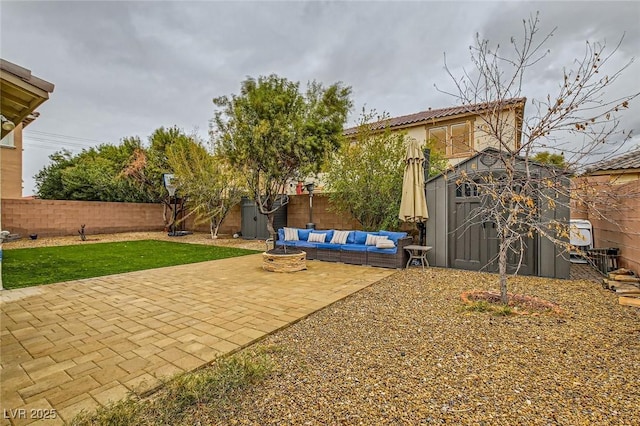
402, 243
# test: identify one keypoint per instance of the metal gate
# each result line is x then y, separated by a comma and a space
254, 224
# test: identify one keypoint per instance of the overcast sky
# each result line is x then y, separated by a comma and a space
126, 68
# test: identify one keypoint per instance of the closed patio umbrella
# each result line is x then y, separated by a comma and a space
413, 206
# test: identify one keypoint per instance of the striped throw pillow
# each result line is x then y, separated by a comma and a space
372, 240
291, 234
340, 237
316, 237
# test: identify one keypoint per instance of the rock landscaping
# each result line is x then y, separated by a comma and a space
405, 351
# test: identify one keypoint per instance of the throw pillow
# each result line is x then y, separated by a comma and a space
393, 236
340, 237
372, 240
290, 234
316, 237
385, 244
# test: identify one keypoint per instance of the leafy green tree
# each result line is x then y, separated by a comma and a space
274, 133
211, 186
49, 184
127, 172
365, 176
147, 165
437, 159
546, 157
92, 175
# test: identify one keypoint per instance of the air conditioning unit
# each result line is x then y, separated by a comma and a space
581, 237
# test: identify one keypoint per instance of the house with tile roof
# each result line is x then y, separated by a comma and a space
622, 169
460, 132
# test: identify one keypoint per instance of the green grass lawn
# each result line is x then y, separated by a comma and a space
45, 265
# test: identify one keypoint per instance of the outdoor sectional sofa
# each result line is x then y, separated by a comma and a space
354, 251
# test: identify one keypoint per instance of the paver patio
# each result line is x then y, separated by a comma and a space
75, 345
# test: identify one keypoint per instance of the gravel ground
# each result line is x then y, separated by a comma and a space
195, 238
403, 351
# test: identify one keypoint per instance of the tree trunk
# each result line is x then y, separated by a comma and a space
502, 270
213, 228
271, 229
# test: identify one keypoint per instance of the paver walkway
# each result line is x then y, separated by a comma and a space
75, 345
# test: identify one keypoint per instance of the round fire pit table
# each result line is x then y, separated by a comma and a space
277, 261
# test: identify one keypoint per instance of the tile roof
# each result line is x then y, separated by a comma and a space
435, 114
630, 160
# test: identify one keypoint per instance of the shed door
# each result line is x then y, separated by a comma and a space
249, 218
473, 240
254, 224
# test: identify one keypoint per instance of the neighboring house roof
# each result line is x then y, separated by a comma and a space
21, 93
628, 161
437, 114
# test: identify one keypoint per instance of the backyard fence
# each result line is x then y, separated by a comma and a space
49, 218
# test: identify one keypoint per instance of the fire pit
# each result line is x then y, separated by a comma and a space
277, 260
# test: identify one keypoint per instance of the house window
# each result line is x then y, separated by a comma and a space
439, 137
7, 140
460, 138
454, 140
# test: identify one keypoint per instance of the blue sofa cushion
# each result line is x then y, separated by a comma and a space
303, 234
374, 249
354, 247
361, 236
351, 239
328, 246
393, 236
304, 244
281, 234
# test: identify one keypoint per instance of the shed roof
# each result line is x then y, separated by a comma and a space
438, 114
630, 160
495, 152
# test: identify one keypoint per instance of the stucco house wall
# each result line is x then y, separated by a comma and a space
11, 163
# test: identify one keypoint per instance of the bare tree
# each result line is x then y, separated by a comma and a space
578, 120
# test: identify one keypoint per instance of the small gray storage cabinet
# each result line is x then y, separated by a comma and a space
461, 242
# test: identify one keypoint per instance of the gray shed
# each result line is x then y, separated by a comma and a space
461, 243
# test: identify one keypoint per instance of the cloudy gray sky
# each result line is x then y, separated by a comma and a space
126, 68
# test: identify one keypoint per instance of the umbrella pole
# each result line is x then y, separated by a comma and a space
422, 229
425, 170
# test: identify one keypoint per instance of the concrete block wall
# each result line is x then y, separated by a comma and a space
323, 216
61, 217
49, 218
